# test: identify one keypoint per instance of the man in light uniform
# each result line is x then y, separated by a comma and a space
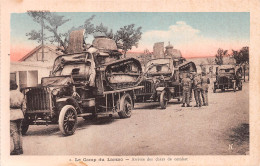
197, 89
186, 85
204, 93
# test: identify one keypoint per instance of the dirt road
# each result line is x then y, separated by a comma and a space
218, 129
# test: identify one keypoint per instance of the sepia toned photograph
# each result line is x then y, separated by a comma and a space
129, 84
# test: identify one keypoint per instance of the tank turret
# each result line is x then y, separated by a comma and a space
170, 52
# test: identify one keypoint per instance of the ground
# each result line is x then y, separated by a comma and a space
222, 128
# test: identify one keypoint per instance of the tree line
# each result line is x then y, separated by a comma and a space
128, 35
241, 56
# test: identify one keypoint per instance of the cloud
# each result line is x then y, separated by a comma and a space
176, 33
189, 40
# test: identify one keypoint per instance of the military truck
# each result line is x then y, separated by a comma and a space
83, 82
162, 80
228, 77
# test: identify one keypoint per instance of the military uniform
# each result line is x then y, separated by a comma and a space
192, 85
186, 86
204, 88
197, 90
16, 117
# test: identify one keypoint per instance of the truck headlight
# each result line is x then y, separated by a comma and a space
55, 92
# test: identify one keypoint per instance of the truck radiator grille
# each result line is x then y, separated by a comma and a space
147, 87
38, 99
223, 80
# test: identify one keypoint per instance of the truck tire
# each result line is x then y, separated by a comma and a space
234, 87
125, 106
240, 86
68, 120
163, 99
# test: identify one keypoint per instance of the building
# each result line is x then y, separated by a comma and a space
29, 70
45, 53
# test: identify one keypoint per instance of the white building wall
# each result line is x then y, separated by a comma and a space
29, 74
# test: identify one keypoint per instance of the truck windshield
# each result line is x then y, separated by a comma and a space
158, 66
221, 71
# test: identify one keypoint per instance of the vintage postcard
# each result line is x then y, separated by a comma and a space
89, 83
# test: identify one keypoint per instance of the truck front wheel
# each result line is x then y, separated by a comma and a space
126, 106
68, 120
163, 99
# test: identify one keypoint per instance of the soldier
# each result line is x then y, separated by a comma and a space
204, 93
186, 86
17, 106
192, 85
197, 89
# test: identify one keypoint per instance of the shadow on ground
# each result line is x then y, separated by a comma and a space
239, 137
53, 129
240, 134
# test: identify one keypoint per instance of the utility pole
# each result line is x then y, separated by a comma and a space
42, 39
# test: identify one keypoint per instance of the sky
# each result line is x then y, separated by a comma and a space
197, 34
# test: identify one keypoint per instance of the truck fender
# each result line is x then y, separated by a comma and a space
160, 89
69, 100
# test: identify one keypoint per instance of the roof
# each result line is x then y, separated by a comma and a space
51, 47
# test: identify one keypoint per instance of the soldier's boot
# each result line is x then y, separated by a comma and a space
21, 150
15, 152
183, 105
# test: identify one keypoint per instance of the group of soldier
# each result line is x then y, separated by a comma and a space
199, 84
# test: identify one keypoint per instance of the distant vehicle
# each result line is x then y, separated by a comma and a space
92, 82
162, 80
228, 77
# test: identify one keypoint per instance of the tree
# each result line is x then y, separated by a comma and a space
242, 58
145, 57
129, 35
210, 61
244, 52
104, 30
88, 26
51, 22
219, 56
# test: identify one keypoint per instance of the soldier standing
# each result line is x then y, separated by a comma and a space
204, 82
192, 85
16, 117
186, 86
197, 90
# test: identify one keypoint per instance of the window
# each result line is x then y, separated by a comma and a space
13, 76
